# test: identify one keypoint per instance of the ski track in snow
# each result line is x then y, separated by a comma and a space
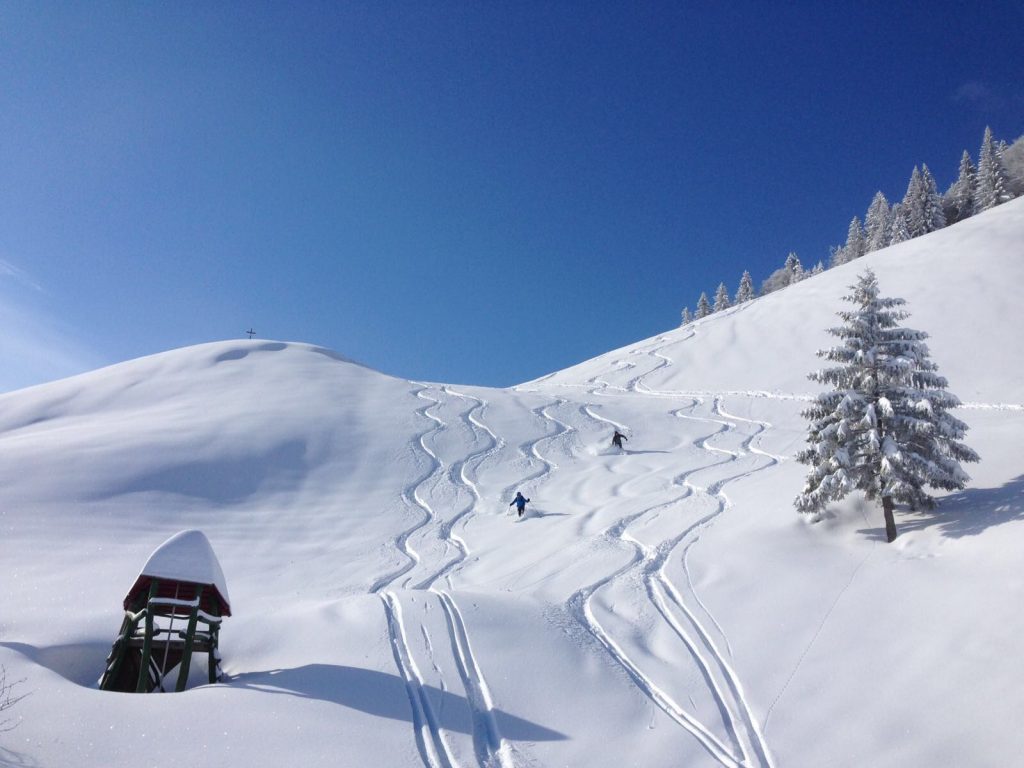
561, 428
490, 750
460, 474
579, 606
740, 712
401, 543
531, 450
489, 747
430, 741
457, 475
681, 609
650, 562
723, 683
419, 491
416, 495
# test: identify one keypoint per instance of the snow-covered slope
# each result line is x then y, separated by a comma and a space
958, 283
657, 607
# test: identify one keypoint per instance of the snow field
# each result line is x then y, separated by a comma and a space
658, 606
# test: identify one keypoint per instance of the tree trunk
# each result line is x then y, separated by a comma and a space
890, 521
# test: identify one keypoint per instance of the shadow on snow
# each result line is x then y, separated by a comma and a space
965, 513
542, 513
972, 511
383, 695
9, 759
80, 663
370, 691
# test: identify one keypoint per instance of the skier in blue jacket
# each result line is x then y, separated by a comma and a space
520, 502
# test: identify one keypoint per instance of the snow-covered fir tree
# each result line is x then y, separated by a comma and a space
687, 317
745, 292
992, 186
884, 427
703, 307
795, 268
722, 298
913, 205
777, 280
818, 268
876, 224
1013, 162
958, 201
855, 243
899, 232
837, 256
922, 205
933, 215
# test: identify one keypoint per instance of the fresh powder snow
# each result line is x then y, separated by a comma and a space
662, 605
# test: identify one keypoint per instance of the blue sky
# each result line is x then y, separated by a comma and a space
466, 192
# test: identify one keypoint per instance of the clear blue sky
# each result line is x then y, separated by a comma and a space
455, 191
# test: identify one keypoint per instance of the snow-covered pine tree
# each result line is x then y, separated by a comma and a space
992, 187
746, 290
687, 317
776, 281
795, 268
837, 256
818, 268
913, 205
722, 298
876, 224
854, 247
884, 428
703, 308
1013, 162
958, 202
934, 218
899, 232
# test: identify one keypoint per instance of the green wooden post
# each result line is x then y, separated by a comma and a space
212, 661
147, 643
120, 650
186, 654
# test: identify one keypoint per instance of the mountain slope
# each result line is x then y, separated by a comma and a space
659, 606
957, 285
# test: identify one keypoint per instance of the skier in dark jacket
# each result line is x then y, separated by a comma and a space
520, 502
617, 439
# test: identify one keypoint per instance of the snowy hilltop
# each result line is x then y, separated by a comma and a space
661, 604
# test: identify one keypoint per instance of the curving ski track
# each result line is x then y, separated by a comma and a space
458, 474
723, 683
678, 606
489, 748
681, 615
411, 500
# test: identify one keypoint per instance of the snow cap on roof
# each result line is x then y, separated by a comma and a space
187, 556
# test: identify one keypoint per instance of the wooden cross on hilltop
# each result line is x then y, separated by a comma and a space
251, 333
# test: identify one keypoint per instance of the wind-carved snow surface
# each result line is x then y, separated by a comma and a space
661, 605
